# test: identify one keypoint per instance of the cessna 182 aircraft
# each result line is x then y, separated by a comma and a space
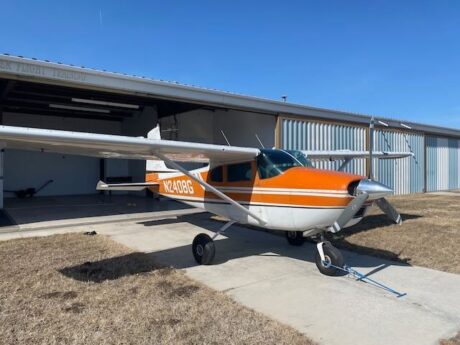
269, 188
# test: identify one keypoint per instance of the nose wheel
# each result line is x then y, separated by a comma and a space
328, 258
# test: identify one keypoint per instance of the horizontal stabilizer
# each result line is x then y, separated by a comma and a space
125, 186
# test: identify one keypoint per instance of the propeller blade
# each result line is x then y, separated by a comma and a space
371, 148
348, 213
389, 210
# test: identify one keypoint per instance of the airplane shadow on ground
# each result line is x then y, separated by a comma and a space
112, 268
375, 222
370, 223
237, 243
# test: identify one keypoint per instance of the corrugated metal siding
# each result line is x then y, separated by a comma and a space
431, 164
404, 175
453, 163
442, 163
306, 135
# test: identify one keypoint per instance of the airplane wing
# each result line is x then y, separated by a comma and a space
348, 154
115, 146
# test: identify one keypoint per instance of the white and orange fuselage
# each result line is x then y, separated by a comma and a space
300, 199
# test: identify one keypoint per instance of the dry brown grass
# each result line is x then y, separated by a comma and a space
429, 236
452, 341
76, 289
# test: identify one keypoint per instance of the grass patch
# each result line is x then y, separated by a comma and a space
429, 236
76, 289
452, 341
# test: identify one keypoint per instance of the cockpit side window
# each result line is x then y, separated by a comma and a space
266, 168
301, 158
271, 163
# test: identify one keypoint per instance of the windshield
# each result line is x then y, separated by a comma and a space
302, 158
271, 163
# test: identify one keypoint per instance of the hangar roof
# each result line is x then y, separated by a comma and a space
34, 70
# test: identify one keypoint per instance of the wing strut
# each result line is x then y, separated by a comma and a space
210, 188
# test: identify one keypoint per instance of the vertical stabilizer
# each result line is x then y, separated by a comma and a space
155, 133
156, 165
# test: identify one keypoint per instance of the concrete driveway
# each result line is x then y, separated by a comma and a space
263, 272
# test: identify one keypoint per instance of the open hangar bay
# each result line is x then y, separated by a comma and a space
50, 95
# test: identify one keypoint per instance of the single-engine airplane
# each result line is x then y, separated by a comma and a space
269, 188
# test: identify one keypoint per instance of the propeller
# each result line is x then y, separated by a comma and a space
368, 189
371, 149
389, 210
365, 190
382, 203
349, 212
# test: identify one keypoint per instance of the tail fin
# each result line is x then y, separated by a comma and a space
156, 165
155, 133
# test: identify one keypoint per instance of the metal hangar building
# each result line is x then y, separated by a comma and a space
44, 94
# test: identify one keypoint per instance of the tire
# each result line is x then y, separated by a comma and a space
204, 249
334, 256
295, 238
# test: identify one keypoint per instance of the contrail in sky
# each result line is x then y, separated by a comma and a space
100, 19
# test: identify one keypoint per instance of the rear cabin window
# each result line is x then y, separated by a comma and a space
217, 174
239, 172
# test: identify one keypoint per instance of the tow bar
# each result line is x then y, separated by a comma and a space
362, 277
350, 271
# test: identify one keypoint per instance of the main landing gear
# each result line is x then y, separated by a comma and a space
204, 249
295, 238
327, 258
203, 246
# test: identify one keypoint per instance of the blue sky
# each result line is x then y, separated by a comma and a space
391, 58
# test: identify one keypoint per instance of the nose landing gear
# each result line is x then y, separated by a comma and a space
328, 258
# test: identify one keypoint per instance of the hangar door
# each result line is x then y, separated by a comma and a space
442, 163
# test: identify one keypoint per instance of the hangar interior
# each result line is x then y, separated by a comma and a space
44, 105
43, 94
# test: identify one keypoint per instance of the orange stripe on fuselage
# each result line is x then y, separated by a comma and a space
296, 186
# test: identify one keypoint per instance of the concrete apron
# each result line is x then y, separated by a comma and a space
263, 272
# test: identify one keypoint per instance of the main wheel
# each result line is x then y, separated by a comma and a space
204, 249
333, 256
295, 238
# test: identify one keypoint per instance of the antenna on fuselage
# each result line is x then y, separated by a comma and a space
225, 137
260, 142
